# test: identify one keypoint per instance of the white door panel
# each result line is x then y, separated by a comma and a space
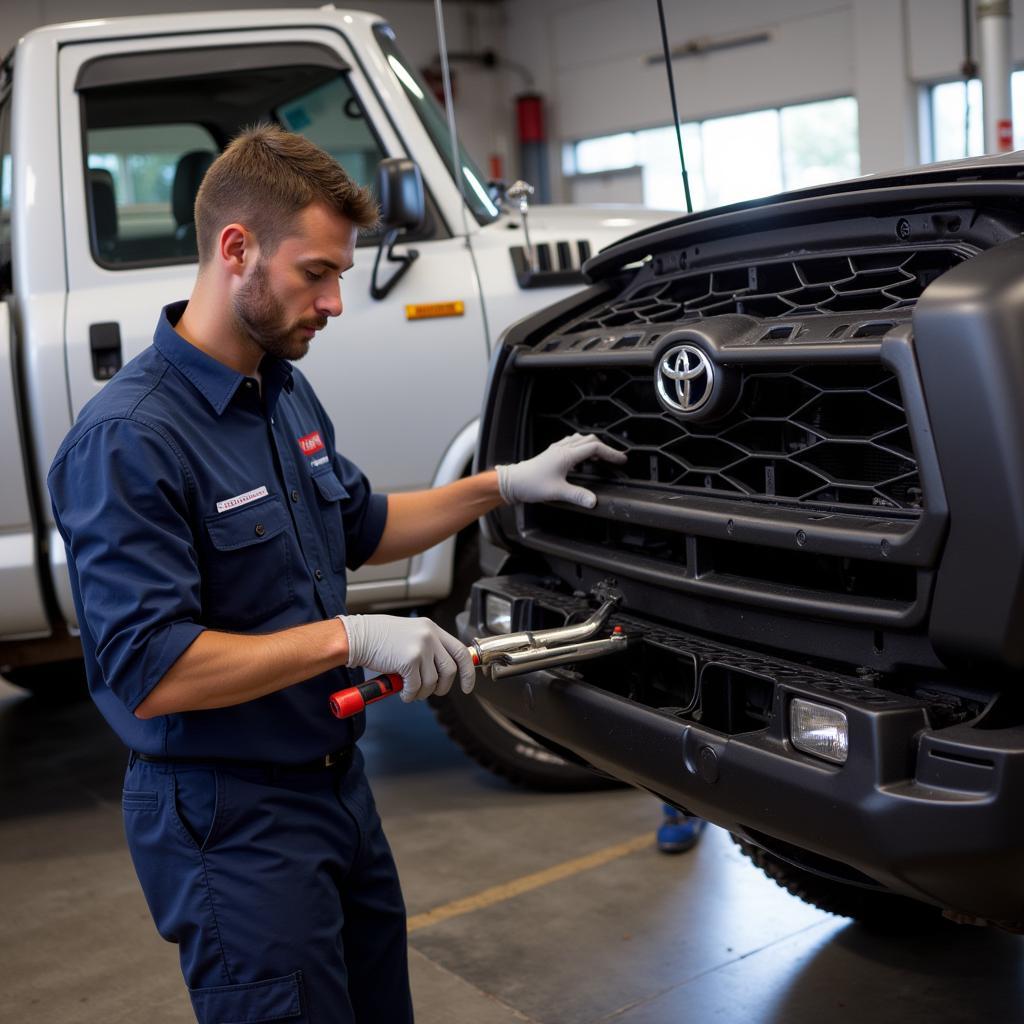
22, 611
400, 391
132, 299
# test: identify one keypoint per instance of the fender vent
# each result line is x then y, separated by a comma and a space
551, 267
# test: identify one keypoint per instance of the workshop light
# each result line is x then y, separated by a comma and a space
819, 730
498, 614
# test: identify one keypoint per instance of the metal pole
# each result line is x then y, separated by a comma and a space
994, 51
457, 169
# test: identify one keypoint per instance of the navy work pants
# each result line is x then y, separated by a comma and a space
278, 887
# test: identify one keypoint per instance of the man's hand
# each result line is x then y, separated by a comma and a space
426, 657
543, 478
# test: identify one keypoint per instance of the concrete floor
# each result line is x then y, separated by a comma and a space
631, 937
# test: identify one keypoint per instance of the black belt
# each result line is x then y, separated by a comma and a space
338, 760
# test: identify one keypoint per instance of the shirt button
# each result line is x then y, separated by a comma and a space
295, 496
260, 529
319, 575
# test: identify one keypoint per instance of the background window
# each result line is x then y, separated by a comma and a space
957, 128
819, 142
658, 155
606, 153
731, 159
742, 157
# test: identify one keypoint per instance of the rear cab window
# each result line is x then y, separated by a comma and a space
148, 142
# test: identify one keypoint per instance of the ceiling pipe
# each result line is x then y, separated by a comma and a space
702, 45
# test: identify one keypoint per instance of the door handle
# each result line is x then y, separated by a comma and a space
105, 346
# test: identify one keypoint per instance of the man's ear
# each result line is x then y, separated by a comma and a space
236, 248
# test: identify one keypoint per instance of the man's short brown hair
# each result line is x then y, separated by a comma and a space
264, 178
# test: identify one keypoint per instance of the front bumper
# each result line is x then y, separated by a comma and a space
921, 808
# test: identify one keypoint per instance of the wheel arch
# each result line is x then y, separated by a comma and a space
430, 573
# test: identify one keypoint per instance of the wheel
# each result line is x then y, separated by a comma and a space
483, 732
877, 910
55, 681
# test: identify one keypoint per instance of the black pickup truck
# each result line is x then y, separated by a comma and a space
818, 539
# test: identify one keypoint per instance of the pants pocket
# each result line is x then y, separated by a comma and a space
198, 803
139, 800
273, 999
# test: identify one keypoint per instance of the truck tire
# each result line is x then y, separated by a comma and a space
879, 911
482, 731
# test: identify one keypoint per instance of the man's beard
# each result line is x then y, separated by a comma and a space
261, 316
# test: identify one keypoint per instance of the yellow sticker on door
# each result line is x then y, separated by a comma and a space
429, 310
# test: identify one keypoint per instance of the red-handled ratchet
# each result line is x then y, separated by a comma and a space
505, 654
346, 703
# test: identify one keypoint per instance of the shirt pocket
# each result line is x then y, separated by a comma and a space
248, 572
330, 494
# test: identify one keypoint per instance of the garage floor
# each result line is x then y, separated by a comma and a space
523, 907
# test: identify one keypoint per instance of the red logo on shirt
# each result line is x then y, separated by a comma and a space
311, 443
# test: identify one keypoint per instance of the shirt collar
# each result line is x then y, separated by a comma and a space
216, 382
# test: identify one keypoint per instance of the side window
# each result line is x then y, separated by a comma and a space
149, 140
140, 180
6, 283
330, 116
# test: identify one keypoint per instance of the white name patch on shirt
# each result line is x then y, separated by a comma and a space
241, 499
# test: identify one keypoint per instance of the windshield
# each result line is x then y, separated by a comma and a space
436, 123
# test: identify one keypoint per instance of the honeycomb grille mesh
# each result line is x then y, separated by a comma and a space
815, 435
865, 281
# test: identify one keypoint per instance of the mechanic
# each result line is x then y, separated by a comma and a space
209, 519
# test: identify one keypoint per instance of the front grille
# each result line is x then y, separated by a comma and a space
814, 435
752, 566
877, 280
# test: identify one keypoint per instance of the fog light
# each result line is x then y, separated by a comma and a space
498, 614
819, 730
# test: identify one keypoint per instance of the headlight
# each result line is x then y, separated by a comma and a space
497, 614
819, 730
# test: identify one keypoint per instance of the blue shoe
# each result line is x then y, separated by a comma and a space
679, 832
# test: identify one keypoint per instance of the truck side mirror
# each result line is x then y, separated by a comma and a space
400, 194
402, 208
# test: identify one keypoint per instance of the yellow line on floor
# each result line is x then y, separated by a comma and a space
507, 890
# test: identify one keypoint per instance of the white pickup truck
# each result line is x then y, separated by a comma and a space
106, 128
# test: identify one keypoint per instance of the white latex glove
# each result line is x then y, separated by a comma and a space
543, 478
426, 657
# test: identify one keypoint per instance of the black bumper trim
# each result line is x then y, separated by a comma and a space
930, 813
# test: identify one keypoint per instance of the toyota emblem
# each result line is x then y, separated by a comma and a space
685, 378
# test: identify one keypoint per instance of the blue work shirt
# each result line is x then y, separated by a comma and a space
189, 501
